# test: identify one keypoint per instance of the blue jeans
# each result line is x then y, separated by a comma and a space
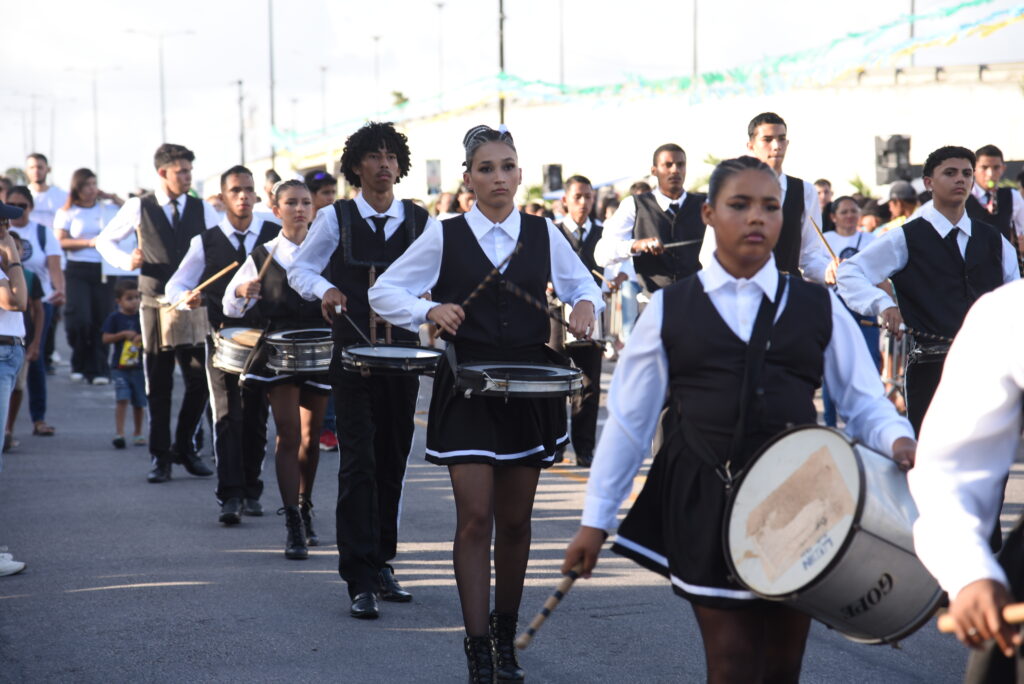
11, 358
37, 372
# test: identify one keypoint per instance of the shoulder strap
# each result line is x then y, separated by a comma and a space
41, 237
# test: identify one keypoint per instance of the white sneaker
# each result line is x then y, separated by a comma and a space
9, 566
76, 377
101, 380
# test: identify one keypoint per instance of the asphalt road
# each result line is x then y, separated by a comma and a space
128, 581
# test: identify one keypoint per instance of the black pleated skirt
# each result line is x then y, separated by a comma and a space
493, 430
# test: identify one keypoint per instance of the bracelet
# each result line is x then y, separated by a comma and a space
17, 263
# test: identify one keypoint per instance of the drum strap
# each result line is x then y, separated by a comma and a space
757, 347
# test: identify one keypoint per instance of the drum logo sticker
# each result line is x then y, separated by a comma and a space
870, 599
791, 525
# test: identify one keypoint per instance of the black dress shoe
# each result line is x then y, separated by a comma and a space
584, 459
161, 471
194, 465
231, 511
365, 606
390, 589
252, 507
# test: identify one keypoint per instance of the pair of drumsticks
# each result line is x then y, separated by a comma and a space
220, 274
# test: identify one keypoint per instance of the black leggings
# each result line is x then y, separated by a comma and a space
89, 302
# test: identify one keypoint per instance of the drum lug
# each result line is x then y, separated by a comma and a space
896, 645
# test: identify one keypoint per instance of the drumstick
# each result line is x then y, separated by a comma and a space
1013, 614
670, 245
199, 288
524, 639
822, 236
263, 269
911, 331
601, 276
353, 323
495, 272
534, 302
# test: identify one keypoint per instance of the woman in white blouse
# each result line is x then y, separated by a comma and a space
90, 299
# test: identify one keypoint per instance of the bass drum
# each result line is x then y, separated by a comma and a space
824, 524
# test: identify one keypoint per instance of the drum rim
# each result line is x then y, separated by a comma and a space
276, 336
840, 552
570, 371
432, 360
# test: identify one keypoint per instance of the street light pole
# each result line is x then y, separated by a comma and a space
163, 90
694, 43
273, 120
561, 45
323, 100
501, 61
440, 56
241, 122
376, 73
95, 126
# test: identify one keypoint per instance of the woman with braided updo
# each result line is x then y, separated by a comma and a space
494, 449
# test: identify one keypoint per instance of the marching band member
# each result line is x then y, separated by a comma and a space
799, 248
1001, 207
766, 340
165, 223
298, 402
239, 413
969, 440
494, 449
645, 222
375, 413
939, 263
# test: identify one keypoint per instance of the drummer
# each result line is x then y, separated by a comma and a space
733, 302
375, 413
298, 402
239, 413
164, 223
494, 449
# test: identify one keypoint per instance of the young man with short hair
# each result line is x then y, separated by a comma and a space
1003, 207
375, 413
165, 222
799, 248
239, 413
47, 199
824, 188
939, 263
644, 223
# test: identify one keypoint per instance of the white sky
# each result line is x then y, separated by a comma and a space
50, 48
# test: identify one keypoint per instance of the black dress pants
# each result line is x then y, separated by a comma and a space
159, 385
375, 431
239, 433
587, 358
922, 379
89, 301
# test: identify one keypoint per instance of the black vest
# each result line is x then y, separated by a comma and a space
934, 289
218, 252
359, 248
675, 264
279, 305
585, 249
163, 247
787, 249
1002, 220
496, 317
706, 370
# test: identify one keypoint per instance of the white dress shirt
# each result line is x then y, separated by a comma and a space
969, 439
610, 271
616, 243
83, 223
814, 258
888, 255
192, 265
396, 295
323, 238
284, 251
1016, 211
127, 221
643, 363
45, 205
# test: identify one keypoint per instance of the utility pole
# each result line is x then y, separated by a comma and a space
323, 100
95, 127
273, 119
561, 45
241, 122
440, 56
376, 74
501, 61
694, 43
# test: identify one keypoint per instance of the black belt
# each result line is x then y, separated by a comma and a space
11, 339
928, 353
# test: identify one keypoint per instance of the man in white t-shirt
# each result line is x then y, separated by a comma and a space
47, 198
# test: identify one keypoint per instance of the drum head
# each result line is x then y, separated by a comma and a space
387, 351
793, 511
247, 337
304, 335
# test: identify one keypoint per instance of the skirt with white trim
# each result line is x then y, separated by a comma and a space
491, 430
676, 527
257, 375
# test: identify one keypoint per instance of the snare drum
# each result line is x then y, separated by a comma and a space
824, 524
232, 347
517, 380
389, 359
300, 351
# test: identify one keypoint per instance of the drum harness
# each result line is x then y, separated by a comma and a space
757, 347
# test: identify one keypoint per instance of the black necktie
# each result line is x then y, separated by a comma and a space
579, 234
673, 209
951, 239
175, 216
240, 250
380, 222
